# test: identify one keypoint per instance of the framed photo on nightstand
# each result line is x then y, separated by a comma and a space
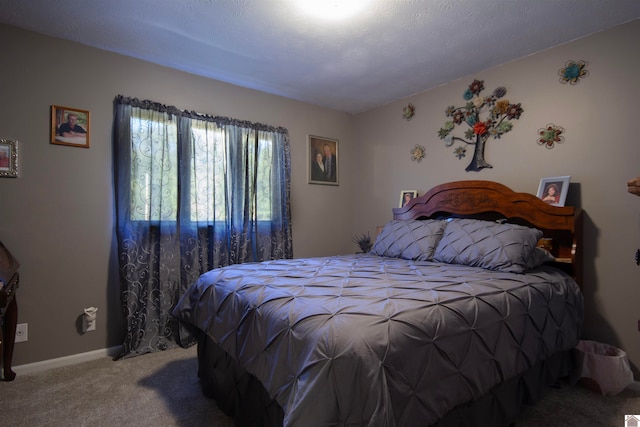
406, 196
554, 190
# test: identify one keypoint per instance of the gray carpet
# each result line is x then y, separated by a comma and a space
162, 389
158, 389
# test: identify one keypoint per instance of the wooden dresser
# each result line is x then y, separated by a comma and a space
9, 280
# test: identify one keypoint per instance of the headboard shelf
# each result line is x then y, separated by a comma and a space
494, 201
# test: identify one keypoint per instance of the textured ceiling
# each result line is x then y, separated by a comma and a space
393, 49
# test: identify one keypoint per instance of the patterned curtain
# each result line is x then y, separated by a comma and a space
193, 193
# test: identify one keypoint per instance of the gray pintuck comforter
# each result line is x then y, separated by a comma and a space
368, 340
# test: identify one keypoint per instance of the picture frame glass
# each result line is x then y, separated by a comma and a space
70, 126
554, 190
406, 196
323, 160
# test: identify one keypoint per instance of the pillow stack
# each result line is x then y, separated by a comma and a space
476, 243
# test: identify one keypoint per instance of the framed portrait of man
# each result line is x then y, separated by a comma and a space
70, 126
323, 160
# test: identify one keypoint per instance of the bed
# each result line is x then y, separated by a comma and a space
466, 308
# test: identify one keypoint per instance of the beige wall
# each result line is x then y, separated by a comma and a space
601, 152
57, 217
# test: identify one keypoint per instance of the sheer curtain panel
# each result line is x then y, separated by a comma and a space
193, 192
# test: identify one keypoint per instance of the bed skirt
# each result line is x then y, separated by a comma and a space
241, 396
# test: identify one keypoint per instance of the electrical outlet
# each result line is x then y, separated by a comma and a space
89, 319
22, 332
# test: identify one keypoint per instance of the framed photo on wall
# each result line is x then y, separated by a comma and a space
554, 190
406, 196
70, 126
323, 160
8, 158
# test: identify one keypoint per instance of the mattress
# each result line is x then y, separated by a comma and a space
370, 340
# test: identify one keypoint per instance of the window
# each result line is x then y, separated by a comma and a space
208, 171
154, 170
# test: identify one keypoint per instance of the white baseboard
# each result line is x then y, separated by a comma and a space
67, 360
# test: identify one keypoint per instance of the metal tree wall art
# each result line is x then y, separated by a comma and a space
486, 117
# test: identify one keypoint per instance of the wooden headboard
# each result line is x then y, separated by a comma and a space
493, 201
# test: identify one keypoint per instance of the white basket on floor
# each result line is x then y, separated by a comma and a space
603, 368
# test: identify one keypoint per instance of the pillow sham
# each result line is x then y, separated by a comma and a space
490, 245
410, 239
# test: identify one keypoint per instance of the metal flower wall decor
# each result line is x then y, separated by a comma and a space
550, 135
417, 153
486, 117
408, 111
572, 72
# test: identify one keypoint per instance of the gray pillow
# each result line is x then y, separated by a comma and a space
411, 239
490, 245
